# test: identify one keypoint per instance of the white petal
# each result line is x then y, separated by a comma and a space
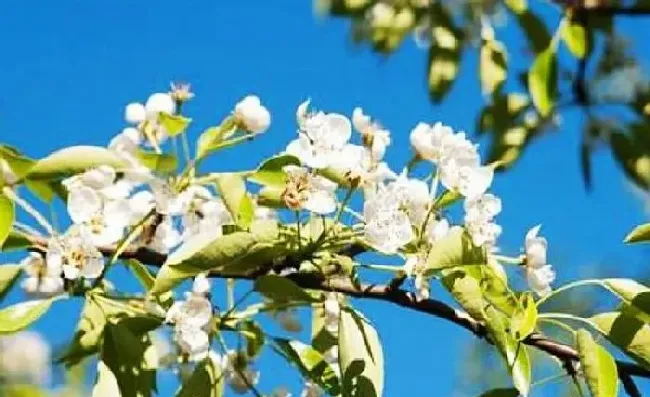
83, 204
159, 103
71, 272
100, 177
135, 113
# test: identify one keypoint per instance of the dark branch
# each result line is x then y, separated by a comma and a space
629, 386
613, 10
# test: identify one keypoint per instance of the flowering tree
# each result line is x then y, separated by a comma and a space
575, 58
291, 231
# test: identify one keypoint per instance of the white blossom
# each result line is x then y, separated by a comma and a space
413, 196
203, 213
430, 142
375, 138
388, 226
201, 285
192, 318
358, 161
252, 114
321, 138
135, 113
539, 274
415, 266
166, 237
159, 103
304, 190
479, 214
436, 229
43, 278
76, 254
25, 357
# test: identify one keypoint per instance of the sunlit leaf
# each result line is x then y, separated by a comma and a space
493, 68
626, 332
213, 138
455, 249
281, 289
206, 380
633, 293
21, 315
7, 215
598, 365
640, 233
574, 36
163, 163
174, 124
270, 172
525, 318
233, 191
310, 363
542, 80
73, 160
8, 276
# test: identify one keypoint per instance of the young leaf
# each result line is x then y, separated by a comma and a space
21, 315
310, 363
455, 249
163, 163
141, 272
271, 173
525, 318
598, 365
73, 160
360, 356
628, 333
640, 234
466, 289
574, 36
212, 138
542, 80
7, 215
493, 68
206, 380
174, 124
281, 289
15, 241
8, 276
233, 191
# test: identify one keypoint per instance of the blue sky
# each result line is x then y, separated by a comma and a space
69, 67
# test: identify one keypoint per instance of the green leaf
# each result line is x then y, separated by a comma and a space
19, 164
141, 273
444, 53
513, 352
46, 190
271, 197
574, 36
626, 332
534, 29
16, 241
212, 138
493, 68
455, 249
635, 163
8, 276
281, 289
205, 252
206, 381
360, 356
542, 80
598, 365
14, 390
174, 124
640, 233
446, 199
233, 191
466, 289
163, 163
7, 215
254, 335
271, 173
310, 363
321, 338
503, 392
634, 294
22, 315
517, 6
73, 160
525, 318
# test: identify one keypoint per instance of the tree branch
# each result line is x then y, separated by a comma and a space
613, 10
380, 292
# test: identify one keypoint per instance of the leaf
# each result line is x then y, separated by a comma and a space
271, 197
322, 339
466, 289
503, 392
525, 318
46, 190
233, 191
206, 252
542, 80
21, 315
163, 163
640, 233
212, 138
206, 380
598, 366
635, 163
16, 241
282, 289
444, 53
8, 276
7, 215
514, 352
18, 163
24, 390
493, 67
626, 332
534, 29
271, 173
174, 124
446, 199
634, 294
455, 249
74, 160
141, 273
310, 363
574, 36
360, 356
254, 335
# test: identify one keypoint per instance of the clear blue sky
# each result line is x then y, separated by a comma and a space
69, 67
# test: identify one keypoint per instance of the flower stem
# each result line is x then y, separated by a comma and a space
510, 260
566, 287
40, 219
566, 316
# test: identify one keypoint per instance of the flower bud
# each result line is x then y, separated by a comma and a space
135, 113
252, 115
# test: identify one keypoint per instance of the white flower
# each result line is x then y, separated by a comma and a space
159, 103
302, 113
288, 320
305, 190
387, 227
375, 138
238, 373
312, 390
43, 279
168, 201
25, 357
466, 176
479, 214
135, 113
192, 319
252, 114
414, 267
201, 285
166, 237
359, 162
193, 341
126, 146
103, 180
539, 274
320, 139
76, 254
429, 142
203, 213
437, 229
413, 195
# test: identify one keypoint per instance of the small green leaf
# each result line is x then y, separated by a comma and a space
310, 363
633, 159
141, 273
22, 315
446, 199
16, 241
542, 80
598, 365
74, 160
7, 215
233, 191
503, 392
212, 138
574, 36
281, 289
466, 289
455, 249
271, 197
640, 234
206, 380
271, 173
19, 164
360, 356
493, 68
8, 276
163, 163
525, 318
626, 332
174, 124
